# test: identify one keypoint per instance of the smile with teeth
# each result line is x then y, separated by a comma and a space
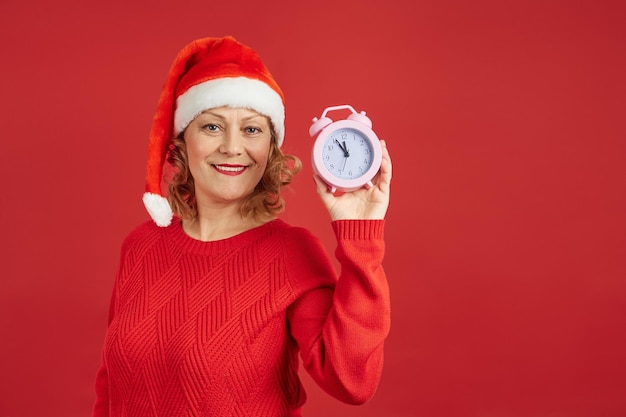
229, 168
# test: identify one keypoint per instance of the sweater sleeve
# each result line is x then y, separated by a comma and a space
340, 323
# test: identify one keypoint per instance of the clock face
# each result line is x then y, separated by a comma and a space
347, 153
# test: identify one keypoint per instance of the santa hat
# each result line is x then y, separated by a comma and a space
207, 73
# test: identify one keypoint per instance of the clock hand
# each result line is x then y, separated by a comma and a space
345, 149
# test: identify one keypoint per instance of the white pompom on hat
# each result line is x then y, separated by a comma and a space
207, 73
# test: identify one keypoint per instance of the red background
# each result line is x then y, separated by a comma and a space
506, 233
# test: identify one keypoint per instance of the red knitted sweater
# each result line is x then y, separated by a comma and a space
215, 328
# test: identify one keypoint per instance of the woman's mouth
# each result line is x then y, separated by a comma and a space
230, 169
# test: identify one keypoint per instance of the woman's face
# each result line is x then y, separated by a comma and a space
227, 152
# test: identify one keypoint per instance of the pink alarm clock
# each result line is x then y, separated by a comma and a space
346, 153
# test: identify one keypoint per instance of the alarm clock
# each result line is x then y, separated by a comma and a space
346, 153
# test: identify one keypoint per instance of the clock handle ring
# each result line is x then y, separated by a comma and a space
357, 117
343, 106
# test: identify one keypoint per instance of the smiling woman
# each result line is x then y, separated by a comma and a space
216, 298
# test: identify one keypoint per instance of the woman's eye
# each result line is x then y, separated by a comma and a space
252, 130
211, 127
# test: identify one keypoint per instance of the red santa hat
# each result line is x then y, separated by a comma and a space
207, 73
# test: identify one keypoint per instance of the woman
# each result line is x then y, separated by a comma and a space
213, 306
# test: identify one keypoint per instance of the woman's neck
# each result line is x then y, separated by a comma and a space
218, 225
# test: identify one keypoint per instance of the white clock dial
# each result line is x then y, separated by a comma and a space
347, 153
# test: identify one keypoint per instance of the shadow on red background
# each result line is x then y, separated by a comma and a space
506, 235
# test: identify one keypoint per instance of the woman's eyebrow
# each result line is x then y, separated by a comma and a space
254, 116
209, 112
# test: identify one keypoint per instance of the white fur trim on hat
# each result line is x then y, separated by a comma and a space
158, 208
233, 92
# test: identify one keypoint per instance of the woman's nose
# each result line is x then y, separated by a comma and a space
232, 143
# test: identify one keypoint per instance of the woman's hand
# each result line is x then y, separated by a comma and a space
365, 203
